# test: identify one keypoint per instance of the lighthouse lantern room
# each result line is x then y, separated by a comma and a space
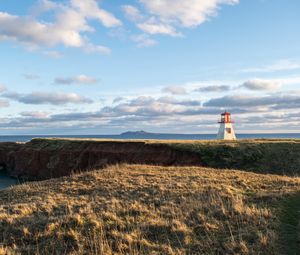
226, 131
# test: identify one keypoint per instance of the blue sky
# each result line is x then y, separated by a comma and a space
104, 67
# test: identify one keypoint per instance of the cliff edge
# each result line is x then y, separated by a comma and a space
50, 158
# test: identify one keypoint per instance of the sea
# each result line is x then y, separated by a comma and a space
133, 135
6, 181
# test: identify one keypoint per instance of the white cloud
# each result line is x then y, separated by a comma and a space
214, 88
83, 79
153, 26
289, 80
53, 98
70, 22
35, 114
2, 88
188, 13
30, 76
80, 79
260, 84
90, 48
90, 9
44, 6
4, 103
175, 90
281, 65
132, 13
167, 16
118, 100
144, 40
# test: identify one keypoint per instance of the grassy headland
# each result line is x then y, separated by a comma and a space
138, 209
260, 156
278, 156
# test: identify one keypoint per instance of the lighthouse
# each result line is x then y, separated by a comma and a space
226, 131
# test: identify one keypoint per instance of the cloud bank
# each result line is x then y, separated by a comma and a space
276, 110
259, 84
52, 98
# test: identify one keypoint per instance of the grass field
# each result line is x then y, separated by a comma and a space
135, 209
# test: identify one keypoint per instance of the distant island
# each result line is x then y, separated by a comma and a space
136, 133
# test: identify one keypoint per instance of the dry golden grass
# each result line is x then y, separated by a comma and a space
134, 209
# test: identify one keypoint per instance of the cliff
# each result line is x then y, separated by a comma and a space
48, 158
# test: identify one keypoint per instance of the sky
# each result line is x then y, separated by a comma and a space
169, 66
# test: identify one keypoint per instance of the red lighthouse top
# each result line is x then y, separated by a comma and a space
226, 117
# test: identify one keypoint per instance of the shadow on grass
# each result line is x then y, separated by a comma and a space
290, 225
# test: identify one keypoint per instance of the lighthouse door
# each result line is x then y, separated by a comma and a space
228, 130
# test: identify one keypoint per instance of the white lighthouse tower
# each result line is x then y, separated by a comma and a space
226, 131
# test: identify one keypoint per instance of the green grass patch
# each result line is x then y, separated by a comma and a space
261, 157
290, 225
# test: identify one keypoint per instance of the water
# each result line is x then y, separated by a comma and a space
27, 138
6, 181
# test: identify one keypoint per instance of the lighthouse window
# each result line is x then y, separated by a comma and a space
228, 130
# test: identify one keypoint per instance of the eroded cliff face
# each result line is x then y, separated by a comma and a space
43, 159
7, 155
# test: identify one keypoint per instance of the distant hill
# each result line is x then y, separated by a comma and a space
142, 132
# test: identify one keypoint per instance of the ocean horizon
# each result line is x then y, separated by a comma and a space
27, 138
